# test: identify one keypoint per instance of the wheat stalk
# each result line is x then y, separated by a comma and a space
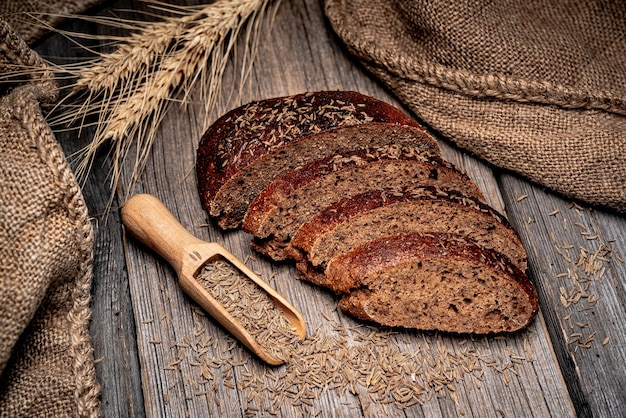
130, 88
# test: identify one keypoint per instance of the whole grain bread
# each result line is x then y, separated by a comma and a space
288, 202
433, 282
251, 145
358, 194
378, 213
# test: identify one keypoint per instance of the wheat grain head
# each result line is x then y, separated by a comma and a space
129, 89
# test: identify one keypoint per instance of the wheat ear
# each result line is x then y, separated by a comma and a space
130, 88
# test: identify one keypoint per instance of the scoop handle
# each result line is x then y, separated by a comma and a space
147, 218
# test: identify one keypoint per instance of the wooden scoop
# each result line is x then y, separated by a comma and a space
149, 221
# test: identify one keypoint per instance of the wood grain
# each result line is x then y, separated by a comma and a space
570, 362
601, 363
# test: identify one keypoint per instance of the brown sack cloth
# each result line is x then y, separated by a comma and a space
537, 87
46, 358
31, 19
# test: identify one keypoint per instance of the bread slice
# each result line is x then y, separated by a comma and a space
291, 200
248, 147
379, 213
433, 282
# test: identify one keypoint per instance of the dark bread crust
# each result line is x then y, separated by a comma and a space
373, 274
285, 159
282, 207
378, 213
242, 137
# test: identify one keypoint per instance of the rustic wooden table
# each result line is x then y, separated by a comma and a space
159, 356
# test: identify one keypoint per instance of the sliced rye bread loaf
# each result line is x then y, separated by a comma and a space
248, 147
379, 213
281, 161
433, 282
281, 208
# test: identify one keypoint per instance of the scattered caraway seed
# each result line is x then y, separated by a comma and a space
348, 360
587, 264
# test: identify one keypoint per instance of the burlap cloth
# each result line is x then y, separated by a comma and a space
32, 19
46, 358
535, 86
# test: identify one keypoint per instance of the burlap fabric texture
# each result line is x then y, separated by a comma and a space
31, 19
537, 87
46, 358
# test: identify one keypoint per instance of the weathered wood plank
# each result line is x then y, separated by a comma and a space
583, 299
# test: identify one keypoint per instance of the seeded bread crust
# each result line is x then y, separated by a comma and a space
278, 164
378, 213
282, 207
433, 282
274, 133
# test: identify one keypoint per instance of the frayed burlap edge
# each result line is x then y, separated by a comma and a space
43, 91
87, 390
